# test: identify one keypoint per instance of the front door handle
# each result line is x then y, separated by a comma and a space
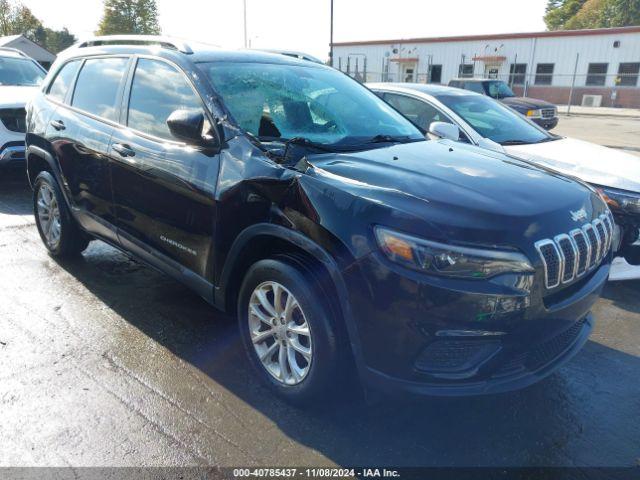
123, 150
58, 125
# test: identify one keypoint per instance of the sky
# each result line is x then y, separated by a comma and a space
303, 25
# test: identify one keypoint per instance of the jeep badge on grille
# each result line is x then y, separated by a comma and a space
579, 215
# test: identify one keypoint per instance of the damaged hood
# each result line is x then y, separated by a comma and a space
457, 187
591, 163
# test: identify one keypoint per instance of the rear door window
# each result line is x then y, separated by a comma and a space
98, 86
158, 89
60, 86
474, 87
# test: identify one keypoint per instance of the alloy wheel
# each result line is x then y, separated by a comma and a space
280, 333
49, 215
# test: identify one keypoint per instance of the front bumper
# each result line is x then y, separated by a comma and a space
546, 123
433, 336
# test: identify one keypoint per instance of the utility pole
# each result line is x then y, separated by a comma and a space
330, 38
246, 42
573, 84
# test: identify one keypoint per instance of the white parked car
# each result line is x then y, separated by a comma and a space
469, 117
20, 78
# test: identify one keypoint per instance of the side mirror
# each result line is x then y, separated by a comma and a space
445, 130
489, 144
187, 125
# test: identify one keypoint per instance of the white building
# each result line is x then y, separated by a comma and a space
41, 55
601, 62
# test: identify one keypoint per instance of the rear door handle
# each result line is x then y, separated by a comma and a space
123, 150
58, 125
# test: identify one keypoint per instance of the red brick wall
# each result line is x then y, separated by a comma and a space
627, 97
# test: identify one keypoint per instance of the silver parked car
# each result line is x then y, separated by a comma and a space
468, 117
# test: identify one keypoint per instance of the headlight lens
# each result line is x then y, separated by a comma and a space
449, 260
619, 200
534, 113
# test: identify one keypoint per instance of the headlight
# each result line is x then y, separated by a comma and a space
619, 200
448, 260
534, 113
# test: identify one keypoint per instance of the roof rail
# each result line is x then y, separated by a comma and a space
14, 50
166, 42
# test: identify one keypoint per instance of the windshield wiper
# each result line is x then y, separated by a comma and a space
305, 142
514, 142
389, 139
548, 139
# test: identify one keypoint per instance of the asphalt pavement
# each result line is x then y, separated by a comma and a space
105, 362
617, 132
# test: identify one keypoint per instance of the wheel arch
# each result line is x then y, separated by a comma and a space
39, 160
262, 241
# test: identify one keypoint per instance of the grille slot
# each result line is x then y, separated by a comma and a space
583, 251
595, 244
552, 262
568, 252
604, 238
548, 112
569, 256
14, 119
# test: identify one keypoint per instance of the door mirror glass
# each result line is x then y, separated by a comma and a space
445, 130
187, 125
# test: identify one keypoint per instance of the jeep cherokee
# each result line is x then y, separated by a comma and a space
285, 192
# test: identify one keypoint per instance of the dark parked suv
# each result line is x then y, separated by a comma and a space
541, 112
286, 192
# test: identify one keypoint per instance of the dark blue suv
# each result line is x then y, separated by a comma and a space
286, 192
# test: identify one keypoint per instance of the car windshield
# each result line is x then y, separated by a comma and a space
324, 106
494, 121
498, 89
20, 72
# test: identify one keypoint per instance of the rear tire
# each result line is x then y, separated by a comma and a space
57, 228
288, 332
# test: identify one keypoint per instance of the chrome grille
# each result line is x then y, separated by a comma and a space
584, 251
548, 112
592, 238
569, 256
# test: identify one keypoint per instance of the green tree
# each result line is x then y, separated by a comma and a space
129, 17
581, 14
16, 19
25, 22
58, 40
623, 13
6, 13
559, 12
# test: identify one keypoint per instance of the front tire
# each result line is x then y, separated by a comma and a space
288, 332
57, 228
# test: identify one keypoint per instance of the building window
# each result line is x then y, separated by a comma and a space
597, 74
517, 73
544, 73
628, 74
435, 74
465, 70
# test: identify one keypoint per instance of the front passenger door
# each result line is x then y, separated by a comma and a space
163, 188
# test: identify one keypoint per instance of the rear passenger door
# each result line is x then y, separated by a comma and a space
80, 131
163, 188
